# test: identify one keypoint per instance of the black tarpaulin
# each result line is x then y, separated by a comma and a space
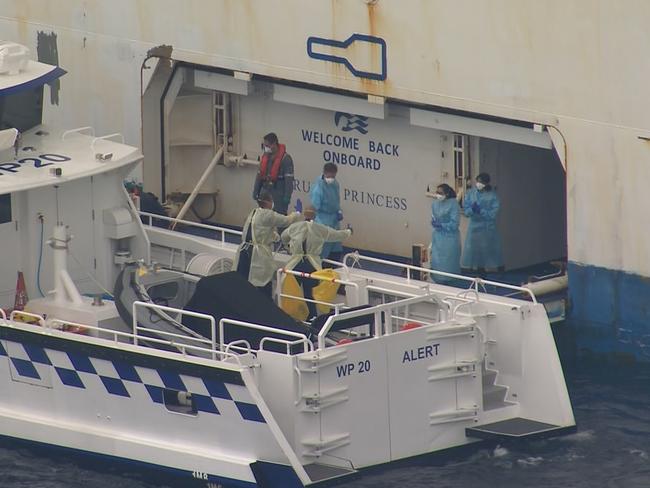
230, 295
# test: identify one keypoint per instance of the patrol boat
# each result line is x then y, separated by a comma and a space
398, 367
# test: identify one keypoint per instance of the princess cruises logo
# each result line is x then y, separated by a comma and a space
350, 122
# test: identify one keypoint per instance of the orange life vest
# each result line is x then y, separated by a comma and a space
275, 167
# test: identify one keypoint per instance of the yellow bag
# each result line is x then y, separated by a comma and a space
326, 290
297, 308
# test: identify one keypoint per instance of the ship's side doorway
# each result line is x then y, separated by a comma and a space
530, 182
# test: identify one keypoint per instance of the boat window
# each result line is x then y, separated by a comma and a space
163, 293
22, 110
5, 208
179, 402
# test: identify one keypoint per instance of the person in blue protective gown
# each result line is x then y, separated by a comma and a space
325, 197
482, 249
445, 238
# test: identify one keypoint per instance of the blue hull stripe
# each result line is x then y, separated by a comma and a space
611, 310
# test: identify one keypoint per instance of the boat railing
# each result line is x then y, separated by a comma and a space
214, 351
130, 338
336, 306
222, 231
78, 130
380, 312
475, 284
116, 135
299, 339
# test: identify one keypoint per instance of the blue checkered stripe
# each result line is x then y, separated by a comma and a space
72, 368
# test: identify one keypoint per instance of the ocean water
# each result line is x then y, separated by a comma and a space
610, 449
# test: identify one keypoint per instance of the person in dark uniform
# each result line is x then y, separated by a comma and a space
275, 175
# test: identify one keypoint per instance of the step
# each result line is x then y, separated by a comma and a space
516, 428
321, 472
489, 377
494, 397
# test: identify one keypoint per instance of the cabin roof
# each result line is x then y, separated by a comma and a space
48, 156
33, 76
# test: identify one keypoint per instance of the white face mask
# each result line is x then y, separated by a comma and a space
479, 185
438, 196
329, 181
267, 149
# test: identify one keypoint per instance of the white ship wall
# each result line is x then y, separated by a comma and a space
576, 65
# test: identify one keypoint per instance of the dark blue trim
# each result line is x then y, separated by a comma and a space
126, 372
69, 377
172, 381
37, 354
81, 363
610, 310
115, 386
25, 368
2, 350
156, 393
217, 389
311, 41
205, 404
79, 352
249, 411
35, 83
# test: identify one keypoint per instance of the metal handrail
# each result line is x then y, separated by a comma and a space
153, 306
177, 336
307, 345
376, 310
475, 282
78, 130
451, 295
215, 228
284, 342
51, 325
335, 306
281, 271
234, 345
105, 138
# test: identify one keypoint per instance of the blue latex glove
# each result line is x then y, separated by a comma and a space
476, 208
298, 206
339, 215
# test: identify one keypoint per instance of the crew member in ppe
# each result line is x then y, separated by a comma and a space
326, 198
254, 258
482, 249
445, 238
275, 175
305, 242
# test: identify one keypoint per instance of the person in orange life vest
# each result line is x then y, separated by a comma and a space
276, 174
